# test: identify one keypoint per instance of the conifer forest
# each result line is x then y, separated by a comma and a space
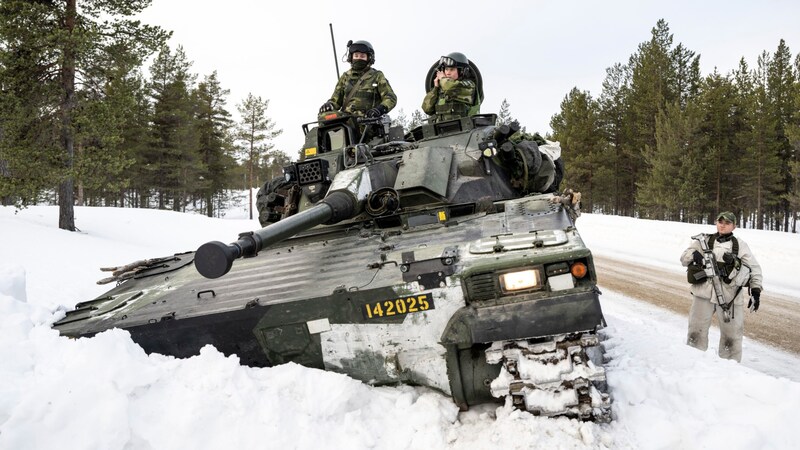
96, 109
662, 141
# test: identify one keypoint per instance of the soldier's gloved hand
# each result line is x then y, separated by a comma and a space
729, 258
697, 258
755, 299
377, 111
326, 107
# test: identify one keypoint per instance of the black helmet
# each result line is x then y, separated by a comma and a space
361, 47
457, 60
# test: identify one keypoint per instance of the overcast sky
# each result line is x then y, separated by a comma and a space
529, 52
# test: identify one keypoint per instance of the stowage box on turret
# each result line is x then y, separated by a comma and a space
444, 257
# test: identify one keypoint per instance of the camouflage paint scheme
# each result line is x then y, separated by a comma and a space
406, 290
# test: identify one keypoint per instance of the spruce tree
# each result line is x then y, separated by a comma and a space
504, 116
109, 125
651, 87
782, 88
583, 148
213, 128
664, 180
400, 120
720, 125
171, 161
617, 129
272, 164
762, 185
417, 119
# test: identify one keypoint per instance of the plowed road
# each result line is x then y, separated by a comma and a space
777, 322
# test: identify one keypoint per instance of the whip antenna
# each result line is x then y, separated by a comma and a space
335, 60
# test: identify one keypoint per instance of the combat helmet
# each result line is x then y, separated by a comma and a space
457, 60
362, 47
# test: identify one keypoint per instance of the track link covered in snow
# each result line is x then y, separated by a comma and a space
562, 376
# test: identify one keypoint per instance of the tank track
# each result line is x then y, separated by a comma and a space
561, 376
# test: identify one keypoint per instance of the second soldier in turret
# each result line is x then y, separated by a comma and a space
453, 94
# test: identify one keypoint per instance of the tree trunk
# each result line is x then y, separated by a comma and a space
250, 189
80, 200
66, 211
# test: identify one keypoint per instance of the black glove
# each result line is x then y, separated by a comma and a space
326, 107
755, 299
377, 111
697, 258
729, 258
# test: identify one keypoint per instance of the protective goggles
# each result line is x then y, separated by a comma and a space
445, 61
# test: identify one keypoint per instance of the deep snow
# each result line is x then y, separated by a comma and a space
106, 393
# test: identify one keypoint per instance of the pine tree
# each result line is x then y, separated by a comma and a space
52, 51
255, 131
686, 69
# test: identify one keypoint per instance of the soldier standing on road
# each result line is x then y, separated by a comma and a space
737, 267
453, 94
362, 90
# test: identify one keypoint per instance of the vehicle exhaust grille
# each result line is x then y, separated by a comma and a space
482, 286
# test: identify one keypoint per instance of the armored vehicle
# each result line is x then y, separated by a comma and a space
443, 257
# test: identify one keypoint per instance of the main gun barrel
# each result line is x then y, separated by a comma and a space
214, 259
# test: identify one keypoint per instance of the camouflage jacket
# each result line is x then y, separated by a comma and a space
374, 90
451, 100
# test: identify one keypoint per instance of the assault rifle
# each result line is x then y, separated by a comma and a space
712, 271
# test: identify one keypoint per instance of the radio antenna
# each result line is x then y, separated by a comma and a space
335, 59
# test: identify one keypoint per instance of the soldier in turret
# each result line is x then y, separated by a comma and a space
453, 94
362, 90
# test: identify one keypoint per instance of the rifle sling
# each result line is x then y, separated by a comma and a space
355, 87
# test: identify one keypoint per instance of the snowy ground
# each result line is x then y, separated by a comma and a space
106, 393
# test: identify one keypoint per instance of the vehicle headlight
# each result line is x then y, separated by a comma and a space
517, 281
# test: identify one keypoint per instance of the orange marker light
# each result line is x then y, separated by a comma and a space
579, 270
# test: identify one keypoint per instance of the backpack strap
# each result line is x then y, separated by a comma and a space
734, 249
713, 238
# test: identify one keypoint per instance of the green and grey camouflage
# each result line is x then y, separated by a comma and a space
373, 90
451, 100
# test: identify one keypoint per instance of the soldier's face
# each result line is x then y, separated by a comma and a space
725, 226
361, 56
451, 72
